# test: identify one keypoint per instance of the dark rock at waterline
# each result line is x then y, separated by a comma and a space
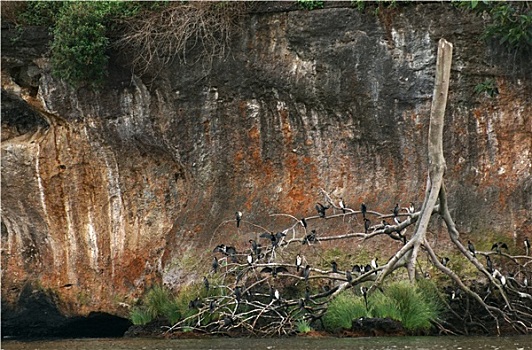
36, 316
377, 327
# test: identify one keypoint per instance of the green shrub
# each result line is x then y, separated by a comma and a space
79, 45
303, 326
310, 4
343, 310
140, 316
380, 305
416, 310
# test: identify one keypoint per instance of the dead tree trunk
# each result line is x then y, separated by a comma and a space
408, 254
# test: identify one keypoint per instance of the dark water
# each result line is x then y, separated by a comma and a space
380, 343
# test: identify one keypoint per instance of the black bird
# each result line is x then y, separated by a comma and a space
385, 223
356, 269
306, 273
444, 261
301, 303
367, 225
498, 246
320, 208
238, 216
527, 245
227, 321
195, 304
274, 270
396, 209
304, 222
342, 205
364, 291
307, 293
411, 208
489, 264
206, 283
348, 276
363, 209
238, 293
367, 268
215, 265
311, 237
334, 267
256, 248
212, 306
471, 248
299, 261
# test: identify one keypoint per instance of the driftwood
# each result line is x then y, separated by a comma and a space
253, 297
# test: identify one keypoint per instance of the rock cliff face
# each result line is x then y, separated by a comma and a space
105, 193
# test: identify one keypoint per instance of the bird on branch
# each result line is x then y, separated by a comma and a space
489, 264
367, 225
342, 205
299, 261
310, 238
363, 209
527, 245
215, 265
411, 208
303, 222
444, 261
498, 246
471, 248
238, 216
320, 208
396, 210
334, 267
306, 273
206, 283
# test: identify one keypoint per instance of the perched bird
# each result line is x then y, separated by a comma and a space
274, 270
306, 273
250, 259
320, 208
367, 268
498, 246
277, 295
238, 293
363, 209
195, 304
444, 261
396, 210
356, 269
499, 276
299, 261
311, 237
334, 267
348, 276
228, 321
307, 293
206, 283
215, 265
367, 225
364, 291
212, 306
471, 248
255, 248
385, 223
396, 220
342, 205
411, 208
527, 245
238, 216
489, 264
303, 222
374, 264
